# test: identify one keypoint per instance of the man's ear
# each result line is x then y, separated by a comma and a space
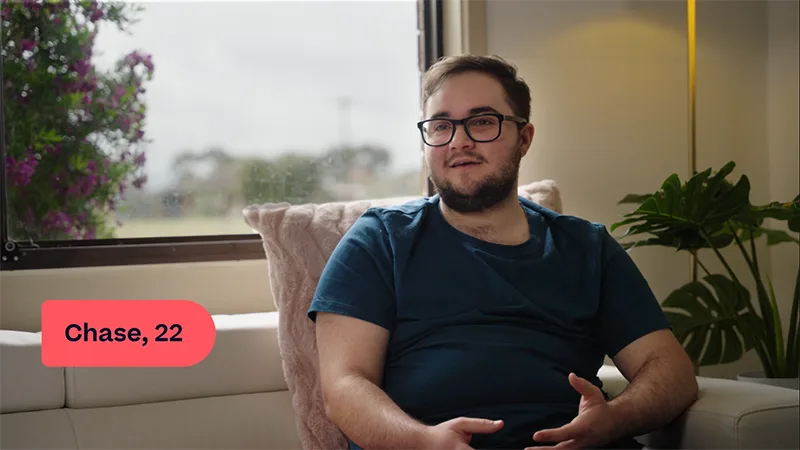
526, 138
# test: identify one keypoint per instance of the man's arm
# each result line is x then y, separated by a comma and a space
662, 384
636, 334
352, 353
354, 309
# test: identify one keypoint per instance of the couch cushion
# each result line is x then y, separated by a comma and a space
736, 414
727, 414
249, 421
298, 241
245, 359
51, 429
27, 385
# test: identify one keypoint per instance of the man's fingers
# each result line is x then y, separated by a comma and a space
472, 425
583, 386
561, 434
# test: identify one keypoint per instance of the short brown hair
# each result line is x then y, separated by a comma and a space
518, 94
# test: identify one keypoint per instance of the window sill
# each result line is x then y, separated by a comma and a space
67, 254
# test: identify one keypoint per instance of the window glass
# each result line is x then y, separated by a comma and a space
167, 118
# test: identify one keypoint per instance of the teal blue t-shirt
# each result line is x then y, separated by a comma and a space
487, 330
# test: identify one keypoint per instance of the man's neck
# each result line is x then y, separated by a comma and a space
505, 223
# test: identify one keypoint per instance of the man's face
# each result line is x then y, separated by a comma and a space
492, 168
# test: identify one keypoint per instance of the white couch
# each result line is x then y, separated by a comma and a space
237, 399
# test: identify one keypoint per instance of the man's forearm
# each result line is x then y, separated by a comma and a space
657, 395
369, 417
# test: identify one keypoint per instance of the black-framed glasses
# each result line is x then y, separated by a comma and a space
485, 127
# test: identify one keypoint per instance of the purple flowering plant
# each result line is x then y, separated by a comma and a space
74, 135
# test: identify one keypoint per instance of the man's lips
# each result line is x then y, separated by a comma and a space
458, 164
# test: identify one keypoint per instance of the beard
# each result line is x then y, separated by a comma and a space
490, 192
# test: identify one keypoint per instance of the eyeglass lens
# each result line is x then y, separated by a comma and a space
481, 128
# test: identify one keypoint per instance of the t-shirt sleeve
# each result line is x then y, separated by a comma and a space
357, 280
628, 307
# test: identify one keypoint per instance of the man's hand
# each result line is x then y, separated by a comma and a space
593, 427
456, 434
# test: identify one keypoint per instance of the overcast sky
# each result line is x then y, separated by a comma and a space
267, 76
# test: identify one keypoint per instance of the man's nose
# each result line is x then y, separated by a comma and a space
461, 139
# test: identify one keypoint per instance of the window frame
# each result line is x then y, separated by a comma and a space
169, 249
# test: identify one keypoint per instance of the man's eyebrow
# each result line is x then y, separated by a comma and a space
483, 109
476, 110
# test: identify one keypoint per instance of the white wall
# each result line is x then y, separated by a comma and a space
608, 84
610, 103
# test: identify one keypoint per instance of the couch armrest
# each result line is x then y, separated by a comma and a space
727, 414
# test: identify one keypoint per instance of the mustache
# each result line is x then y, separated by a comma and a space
474, 156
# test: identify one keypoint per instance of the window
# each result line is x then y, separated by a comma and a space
137, 132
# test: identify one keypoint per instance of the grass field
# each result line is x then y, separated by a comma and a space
193, 226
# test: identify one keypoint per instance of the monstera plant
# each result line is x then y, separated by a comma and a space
714, 316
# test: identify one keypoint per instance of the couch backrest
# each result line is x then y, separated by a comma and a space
26, 384
245, 359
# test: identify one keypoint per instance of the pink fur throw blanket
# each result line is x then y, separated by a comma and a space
298, 240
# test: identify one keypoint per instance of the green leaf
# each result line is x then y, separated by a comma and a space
733, 346
730, 201
688, 216
781, 211
794, 224
713, 324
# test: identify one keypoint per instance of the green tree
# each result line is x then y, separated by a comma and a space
211, 177
74, 135
288, 178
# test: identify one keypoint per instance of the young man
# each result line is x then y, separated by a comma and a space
477, 319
